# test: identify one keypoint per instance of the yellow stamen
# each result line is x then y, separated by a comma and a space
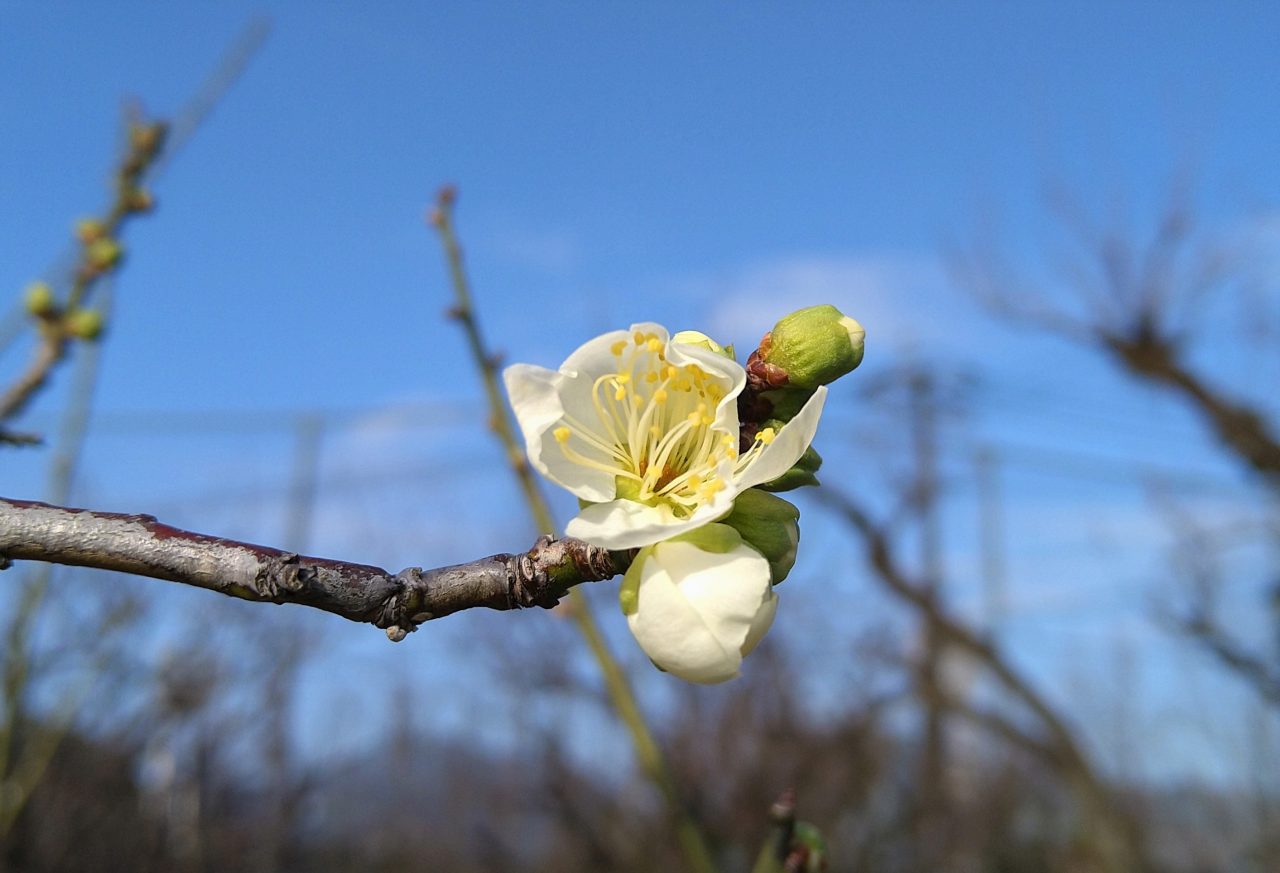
619, 393
655, 345
617, 347
767, 435
660, 396
638, 337
561, 434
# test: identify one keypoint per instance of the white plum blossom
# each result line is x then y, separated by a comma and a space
644, 430
699, 603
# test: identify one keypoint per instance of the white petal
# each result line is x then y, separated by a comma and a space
595, 357
729, 376
761, 624
787, 447
626, 524
672, 633
728, 590
697, 610
536, 398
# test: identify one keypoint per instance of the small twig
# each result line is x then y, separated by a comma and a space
652, 762
399, 602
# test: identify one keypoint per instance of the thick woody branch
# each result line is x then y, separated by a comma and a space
397, 602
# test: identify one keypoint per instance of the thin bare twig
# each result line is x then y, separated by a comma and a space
621, 695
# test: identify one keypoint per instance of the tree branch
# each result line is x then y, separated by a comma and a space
399, 602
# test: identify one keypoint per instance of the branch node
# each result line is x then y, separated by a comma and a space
283, 573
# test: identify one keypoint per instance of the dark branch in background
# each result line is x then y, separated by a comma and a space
398, 602
1196, 554
1135, 303
1054, 743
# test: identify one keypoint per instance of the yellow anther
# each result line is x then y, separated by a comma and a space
694, 481
726, 440
693, 417
655, 345
682, 385
619, 393
617, 347
706, 419
669, 372
651, 376
660, 396
638, 337
655, 430
637, 400
767, 435
561, 434
622, 378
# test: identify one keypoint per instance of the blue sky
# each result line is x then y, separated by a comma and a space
700, 165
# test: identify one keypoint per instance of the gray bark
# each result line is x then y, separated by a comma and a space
399, 602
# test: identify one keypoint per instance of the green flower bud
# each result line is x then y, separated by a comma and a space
814, 346
802, 473
103, 254
39, 299
700, 339
768, 524
807, 837
85, 324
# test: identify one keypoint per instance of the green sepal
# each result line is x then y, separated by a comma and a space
770, 525
803, 472
629, 591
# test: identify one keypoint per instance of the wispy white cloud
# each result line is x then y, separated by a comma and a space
903, 300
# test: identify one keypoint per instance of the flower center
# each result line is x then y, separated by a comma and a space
654, 429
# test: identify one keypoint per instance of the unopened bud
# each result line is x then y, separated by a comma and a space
813, 346
770, 525
39, 299
85, 324
139, 200
90, 230
702, 341
103, 254
146, 139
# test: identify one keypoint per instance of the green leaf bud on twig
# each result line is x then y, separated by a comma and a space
90, 230
139, 200
85, 324
770, 525
103, 254
811, 347
810, 847
39, 300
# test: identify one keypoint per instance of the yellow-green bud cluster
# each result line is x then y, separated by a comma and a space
770, 525
85, 324
103, 254
814, 346
39, 300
